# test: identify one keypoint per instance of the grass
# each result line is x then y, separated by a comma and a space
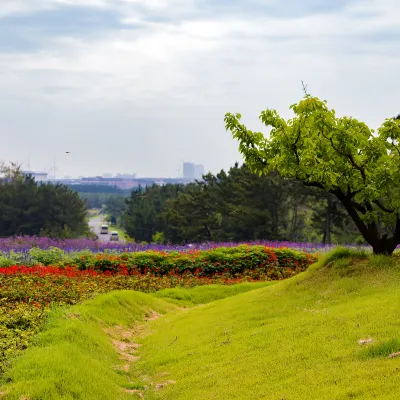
93, 213
207, 294
73, 358
293, 340
297, 339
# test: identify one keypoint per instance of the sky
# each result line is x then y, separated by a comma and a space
141, 86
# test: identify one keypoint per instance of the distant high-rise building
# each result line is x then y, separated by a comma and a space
107, 175
189, 170
198, 171
192, 171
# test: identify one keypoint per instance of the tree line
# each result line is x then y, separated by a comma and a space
31, 208
237, 205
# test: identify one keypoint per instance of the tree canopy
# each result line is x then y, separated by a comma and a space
236, 205
340, 155
29, 208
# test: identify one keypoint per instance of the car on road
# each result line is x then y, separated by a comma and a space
114, 237
104, 230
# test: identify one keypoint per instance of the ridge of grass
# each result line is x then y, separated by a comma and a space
208, 293
327, 333
73, 357
324, 334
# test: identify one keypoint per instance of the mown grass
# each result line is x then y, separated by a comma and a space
208, 293
73, 358
296, 339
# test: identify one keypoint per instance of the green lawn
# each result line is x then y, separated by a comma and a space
297, 339
294, 340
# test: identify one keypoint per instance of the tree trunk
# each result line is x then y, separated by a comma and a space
327, 229
381, 244
384, 246
294, 224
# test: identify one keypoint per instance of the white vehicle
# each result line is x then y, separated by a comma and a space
104, 229
114, 237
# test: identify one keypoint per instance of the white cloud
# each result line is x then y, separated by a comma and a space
179, 69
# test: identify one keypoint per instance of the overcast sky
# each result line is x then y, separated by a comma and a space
141, 85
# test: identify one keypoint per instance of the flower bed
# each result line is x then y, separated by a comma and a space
276, 263
27, 293
25, 243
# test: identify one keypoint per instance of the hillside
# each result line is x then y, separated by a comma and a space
297, 339
294, 340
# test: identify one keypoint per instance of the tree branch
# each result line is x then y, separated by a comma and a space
349, 156
383, 207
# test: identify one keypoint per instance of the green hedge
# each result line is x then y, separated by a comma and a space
274, 262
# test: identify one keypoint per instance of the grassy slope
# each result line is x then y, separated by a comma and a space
74, 357
294, 340
297, 339
207, 294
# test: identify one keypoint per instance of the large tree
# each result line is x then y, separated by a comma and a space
340, 155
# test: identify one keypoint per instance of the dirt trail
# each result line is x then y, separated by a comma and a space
122, 340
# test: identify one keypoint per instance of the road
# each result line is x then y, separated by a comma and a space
95, 226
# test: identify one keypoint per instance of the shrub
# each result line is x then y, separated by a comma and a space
253, 260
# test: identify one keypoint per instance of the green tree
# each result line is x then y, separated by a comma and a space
192, 215
144, 210
115, 207
342, 156
29, 208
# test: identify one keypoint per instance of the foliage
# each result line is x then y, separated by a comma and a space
158, 238
144, 215
19, 322
115, 207
29, 208
23, 245
86, 189
56, 278
27, 293
275, 263
236, 205
339, 155
74, 357
253, 260
97, 200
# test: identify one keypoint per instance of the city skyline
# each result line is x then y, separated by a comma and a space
199, 171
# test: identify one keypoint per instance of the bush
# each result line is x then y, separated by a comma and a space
252, 260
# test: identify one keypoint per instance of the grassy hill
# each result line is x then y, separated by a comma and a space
324, 334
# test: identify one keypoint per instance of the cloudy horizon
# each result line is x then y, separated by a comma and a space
133, 86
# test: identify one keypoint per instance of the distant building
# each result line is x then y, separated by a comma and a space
107, 175
192, 171
189, 170
199, 171
126, 176
37, 175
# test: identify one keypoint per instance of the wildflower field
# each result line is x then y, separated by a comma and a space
38, 274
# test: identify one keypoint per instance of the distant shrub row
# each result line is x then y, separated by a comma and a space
254, 261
